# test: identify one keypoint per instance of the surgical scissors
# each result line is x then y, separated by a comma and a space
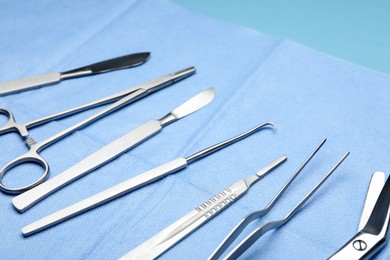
122, 99
374, 222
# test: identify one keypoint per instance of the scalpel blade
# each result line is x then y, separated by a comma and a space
19, 85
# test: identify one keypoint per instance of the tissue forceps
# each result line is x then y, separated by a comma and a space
123, 98
177, 231
180, 229
258, 232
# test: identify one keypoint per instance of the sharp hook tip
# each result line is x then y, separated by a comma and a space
271, 124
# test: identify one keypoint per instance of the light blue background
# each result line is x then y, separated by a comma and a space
357, 31
307, 94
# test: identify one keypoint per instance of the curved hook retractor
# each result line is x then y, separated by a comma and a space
30, 157
11, 125
227, 142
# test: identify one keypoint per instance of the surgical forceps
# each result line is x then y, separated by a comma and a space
141, 90
177, 231
121, 99
260, 231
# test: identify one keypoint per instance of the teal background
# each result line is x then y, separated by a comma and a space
357, 31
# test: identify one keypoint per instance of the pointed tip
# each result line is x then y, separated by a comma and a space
211, 91
139, 58
346, 155
146, 54
267, 124
321, 144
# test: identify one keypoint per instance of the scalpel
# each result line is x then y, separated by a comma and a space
123, 62
33, 155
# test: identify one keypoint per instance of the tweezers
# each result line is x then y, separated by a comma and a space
261, 230
171, 235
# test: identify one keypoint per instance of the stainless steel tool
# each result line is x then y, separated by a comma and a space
123, 62
260, 231
138, 91
121, 188
171, 235
32, 156
374, 223
111, 151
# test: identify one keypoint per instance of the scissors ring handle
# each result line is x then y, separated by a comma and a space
11, 124
30, 157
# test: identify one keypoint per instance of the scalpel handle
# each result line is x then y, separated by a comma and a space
19, 85
27, 199
173, 234
106, 196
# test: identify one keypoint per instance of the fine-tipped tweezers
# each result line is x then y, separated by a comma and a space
177, 231
261, 230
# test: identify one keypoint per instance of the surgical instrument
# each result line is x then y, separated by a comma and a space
123, 62
258, 232
374, 222
171, 235
33, 156
177, 231
112, 150
140, 91
130, 185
